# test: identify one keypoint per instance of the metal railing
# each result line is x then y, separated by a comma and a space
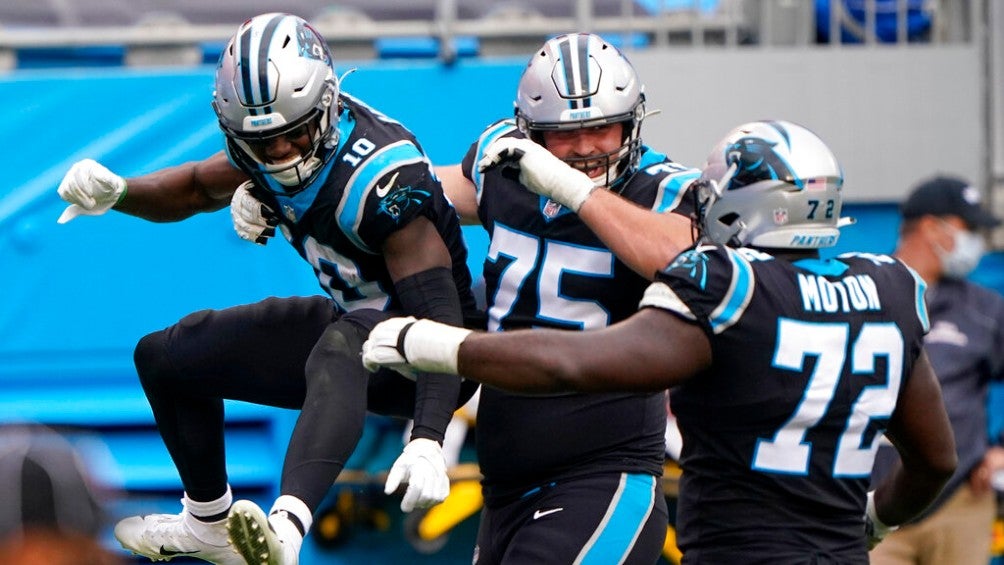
167, 38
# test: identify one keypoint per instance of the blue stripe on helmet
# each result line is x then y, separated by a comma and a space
245, 47
584, 71
566, 69
263, 67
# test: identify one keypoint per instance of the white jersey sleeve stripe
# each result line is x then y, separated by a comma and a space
659, 295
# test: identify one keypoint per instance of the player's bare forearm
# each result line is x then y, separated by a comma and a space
178, 192
650, 351
921, 432
644, 240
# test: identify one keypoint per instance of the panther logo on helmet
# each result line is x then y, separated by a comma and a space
755, 160
785, 172
310, 43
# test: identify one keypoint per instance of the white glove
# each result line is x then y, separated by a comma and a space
540, 171
875, 529
91, 190
253, 221
425, 345
423, 467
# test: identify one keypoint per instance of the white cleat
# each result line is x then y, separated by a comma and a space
253, 538
162, 537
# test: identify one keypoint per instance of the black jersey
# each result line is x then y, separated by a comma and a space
378, 181
780, 433
546, 268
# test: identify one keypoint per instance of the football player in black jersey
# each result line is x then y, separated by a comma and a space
353, 192
570, 476
788, 367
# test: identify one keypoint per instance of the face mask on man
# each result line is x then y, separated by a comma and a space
963, 258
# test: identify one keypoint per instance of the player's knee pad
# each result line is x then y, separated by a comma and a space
151, 360
336, 358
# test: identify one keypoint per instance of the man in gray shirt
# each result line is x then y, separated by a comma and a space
939, 240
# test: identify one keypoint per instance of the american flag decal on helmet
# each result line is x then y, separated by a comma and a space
815, 184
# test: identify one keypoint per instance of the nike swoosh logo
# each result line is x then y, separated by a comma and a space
542, 513
382, 191
168, 553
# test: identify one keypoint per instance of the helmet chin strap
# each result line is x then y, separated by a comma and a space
712, 191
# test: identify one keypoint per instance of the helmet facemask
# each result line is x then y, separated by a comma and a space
250, 148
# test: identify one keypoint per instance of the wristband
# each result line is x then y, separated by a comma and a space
433, 347
879, 528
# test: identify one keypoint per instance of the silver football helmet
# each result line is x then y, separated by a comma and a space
771, 184
276, 77
577, 81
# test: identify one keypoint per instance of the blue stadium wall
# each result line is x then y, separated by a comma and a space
89, 288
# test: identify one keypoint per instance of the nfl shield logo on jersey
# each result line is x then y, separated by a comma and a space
552, 209
289, 212
781, 216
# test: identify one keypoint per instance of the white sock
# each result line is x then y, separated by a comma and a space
214, 532
279, 517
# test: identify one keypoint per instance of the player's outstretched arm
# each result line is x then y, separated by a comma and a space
921, 432
167, 195
652, 350
649, 351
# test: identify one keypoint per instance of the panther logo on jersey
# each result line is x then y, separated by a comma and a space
695, 262
400, 199
756, 160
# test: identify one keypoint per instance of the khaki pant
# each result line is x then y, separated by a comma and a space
959, 533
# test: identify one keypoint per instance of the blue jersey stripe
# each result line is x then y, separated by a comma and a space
300, 202
491, 134
738, 296
921, 288
352, 205
672, 188
651, 157
822, 267
616, 535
